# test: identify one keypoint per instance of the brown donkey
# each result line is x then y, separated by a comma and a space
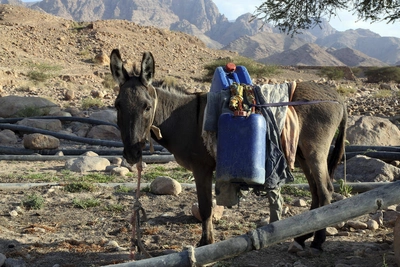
179, 117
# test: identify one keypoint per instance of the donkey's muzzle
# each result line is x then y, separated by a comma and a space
133, 153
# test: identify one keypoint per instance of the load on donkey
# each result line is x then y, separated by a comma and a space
179, 117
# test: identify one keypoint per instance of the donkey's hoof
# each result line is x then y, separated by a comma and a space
311, 252
295, 247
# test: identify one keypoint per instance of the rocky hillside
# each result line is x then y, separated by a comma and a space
74, 55
201, 18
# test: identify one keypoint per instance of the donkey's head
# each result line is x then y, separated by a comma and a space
135, 104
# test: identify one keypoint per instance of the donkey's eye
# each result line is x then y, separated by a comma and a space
147, 108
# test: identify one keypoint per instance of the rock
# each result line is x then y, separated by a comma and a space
87, 164
69, 94
331, 231
365, 169
10, 262
378, 217
357, 225
164, 185
104, 132
97, 94
102, 59
8, 137
40, 141
372, 131
107, 115
120, 171
372, 225
45, 124
300, 203
90, 154
80, 129
295, 247
11, 106
2, 259
116, 161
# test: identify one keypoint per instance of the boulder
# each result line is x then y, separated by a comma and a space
361, 168
87, 164
44, 124
8, 137
372, 131
38, 141
164, 185
104, 132
12, 106
107, 115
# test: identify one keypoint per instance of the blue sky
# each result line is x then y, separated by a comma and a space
344, 21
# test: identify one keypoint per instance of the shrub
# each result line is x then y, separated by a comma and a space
85, 203
41, 72
332, 73
384, 74
254, 68
32, 111
383, 94
79, 187
345, 91
108, 81
33, 201
357, 71
90, 102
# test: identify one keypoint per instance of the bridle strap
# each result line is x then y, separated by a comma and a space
152, 127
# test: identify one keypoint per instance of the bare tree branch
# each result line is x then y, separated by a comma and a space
293, 16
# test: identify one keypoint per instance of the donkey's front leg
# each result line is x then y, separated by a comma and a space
203, 180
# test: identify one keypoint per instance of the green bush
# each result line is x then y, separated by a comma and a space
254, 68
79, 187
85, 203
33, 201
384, 74
90, 102
332, 73
108, 81
41, 72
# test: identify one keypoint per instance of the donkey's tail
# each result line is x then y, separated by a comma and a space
338, 150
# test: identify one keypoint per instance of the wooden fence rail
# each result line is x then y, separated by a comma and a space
310, 221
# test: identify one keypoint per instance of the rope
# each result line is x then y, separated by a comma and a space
136, 239
295, 103
192, 256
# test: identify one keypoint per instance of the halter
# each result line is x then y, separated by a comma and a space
152, 127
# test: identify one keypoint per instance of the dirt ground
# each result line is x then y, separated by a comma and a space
61, 233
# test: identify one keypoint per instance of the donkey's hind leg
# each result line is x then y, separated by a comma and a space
203, 179
314, 195
315, 168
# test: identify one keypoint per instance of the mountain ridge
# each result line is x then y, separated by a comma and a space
202, 18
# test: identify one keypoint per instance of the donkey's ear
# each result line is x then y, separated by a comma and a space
118, 70
147, 70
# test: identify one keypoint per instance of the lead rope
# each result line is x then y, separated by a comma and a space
136, 239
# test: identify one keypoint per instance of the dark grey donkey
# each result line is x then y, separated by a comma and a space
179, 117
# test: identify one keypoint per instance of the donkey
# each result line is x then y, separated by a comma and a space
180, 116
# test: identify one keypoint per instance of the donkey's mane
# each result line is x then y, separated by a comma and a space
169, 99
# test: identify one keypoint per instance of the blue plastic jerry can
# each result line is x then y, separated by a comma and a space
241, 149
226, 76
